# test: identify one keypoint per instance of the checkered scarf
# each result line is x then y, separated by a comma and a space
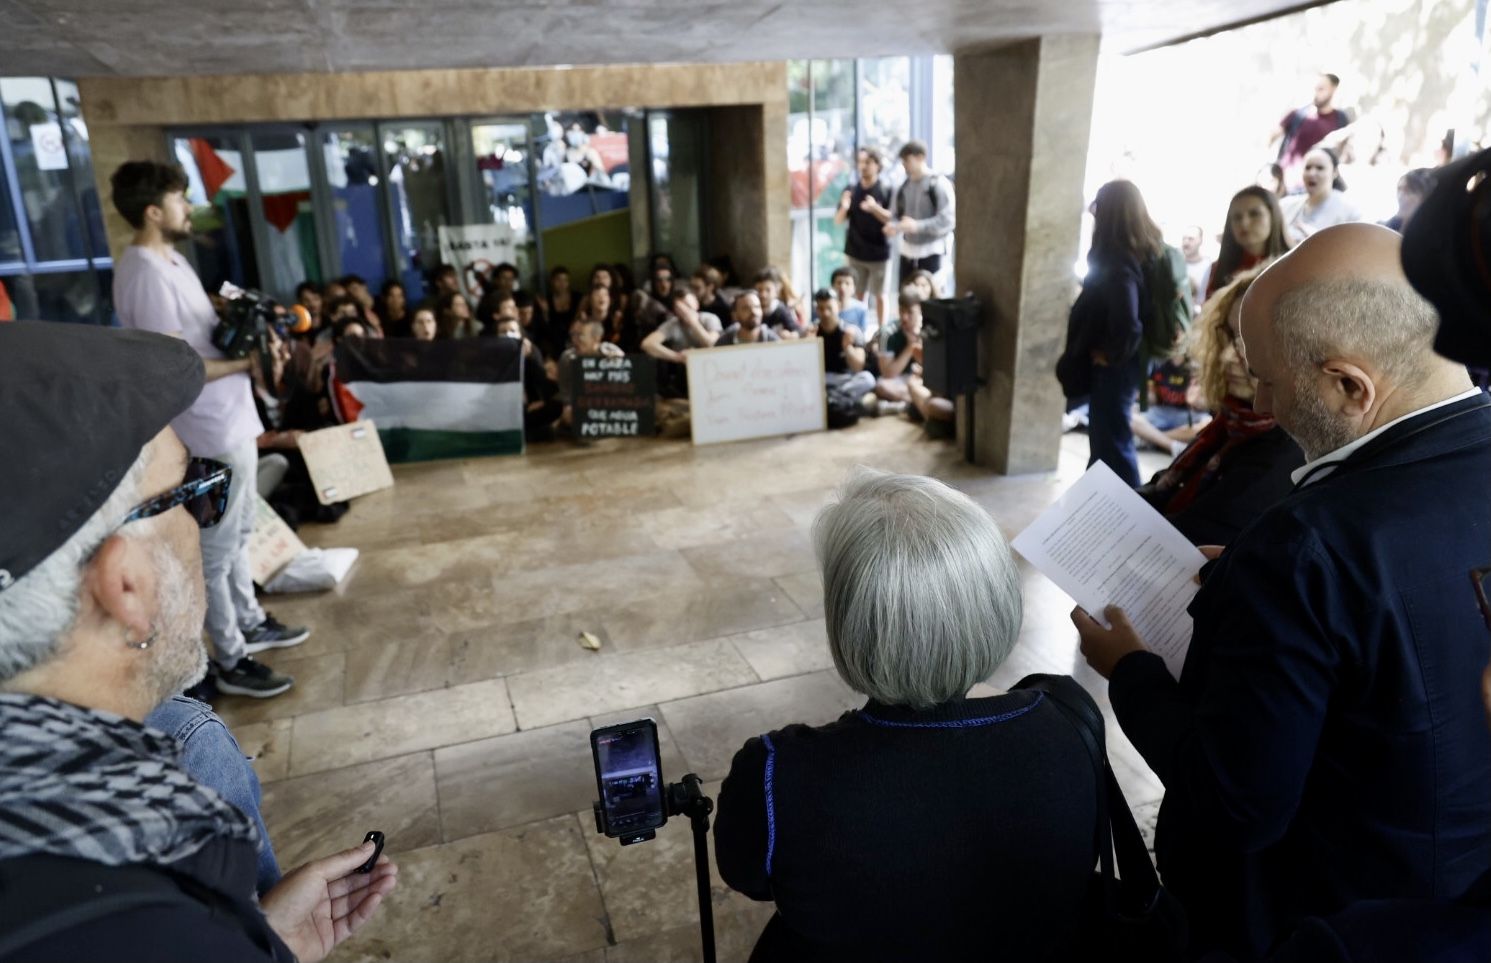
92, 785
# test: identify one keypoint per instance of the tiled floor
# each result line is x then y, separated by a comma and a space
444, 697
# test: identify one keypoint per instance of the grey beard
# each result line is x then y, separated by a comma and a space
1315, 428
181, 658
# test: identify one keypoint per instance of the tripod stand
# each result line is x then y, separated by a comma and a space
685, 798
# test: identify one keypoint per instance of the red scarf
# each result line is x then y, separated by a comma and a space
1196, 467
1216, 282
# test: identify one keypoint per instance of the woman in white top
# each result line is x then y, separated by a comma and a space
1323, 204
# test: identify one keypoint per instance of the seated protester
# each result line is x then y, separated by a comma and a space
663, 283
295, 402
557, 310
707, 283
348, 328
1171, 421
901, 361
541, 404
454, 318
494, 308
423, 327
100, 622
444, 279
617, 328
392, 308
1240, 464
357, 290
924, 283
534, 323
916, 827
749, 326
687, 329
308, 296
211, 756
333, 291
852, 311
1322, 745
589, 341
843, 351
777, 315
503, 279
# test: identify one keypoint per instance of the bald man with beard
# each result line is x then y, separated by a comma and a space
1325, 743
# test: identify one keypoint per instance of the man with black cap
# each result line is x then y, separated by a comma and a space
108, 849
155, 289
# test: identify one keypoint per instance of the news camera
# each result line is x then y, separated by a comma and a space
246, 321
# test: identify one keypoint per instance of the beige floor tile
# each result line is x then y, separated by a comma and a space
682, 527
724, 607
395, 668
710, 729
488, 651
316, 815
806, 590
514, 779
615, 681
318, 686
786, 649
268, 745
521, 895
359, 733
765, 555
735, 933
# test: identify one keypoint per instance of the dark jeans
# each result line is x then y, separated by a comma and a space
910, 265
1115, 389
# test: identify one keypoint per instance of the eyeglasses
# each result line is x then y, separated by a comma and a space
204, 492
1481, 579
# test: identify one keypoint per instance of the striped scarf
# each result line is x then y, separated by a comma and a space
91, 785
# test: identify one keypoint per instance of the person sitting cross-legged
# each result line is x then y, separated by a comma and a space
843, 354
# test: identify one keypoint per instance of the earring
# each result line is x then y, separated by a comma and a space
143, 643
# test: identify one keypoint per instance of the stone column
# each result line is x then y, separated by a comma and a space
1022, 119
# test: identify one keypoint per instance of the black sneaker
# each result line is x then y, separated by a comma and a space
273, 634
251, 678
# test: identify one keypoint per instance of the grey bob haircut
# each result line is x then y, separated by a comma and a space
920, 591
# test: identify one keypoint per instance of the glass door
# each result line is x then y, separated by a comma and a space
414, 156
290, 252
350, 158
223, 236
675, 150
504, 167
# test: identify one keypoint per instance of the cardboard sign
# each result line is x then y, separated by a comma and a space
757, 390
615, 397
475, 249
273, 545
345, 462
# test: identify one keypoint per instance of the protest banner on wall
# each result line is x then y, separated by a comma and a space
475, 249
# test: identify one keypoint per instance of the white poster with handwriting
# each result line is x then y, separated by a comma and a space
1104, 545
757, 390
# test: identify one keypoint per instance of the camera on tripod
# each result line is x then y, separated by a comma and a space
635, 802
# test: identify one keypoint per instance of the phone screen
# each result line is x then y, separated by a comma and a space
629, 773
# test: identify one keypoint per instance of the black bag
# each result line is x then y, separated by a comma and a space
1074, 367
1133, 917
843, 410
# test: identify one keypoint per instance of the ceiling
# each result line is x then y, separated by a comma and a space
75, 38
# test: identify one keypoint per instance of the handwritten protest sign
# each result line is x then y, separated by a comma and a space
345, 462
615, 397
273, 545
757, 390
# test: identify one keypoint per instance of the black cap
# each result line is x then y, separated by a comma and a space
1447, 257
77, 404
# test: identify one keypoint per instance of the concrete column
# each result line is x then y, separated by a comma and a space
1022, 119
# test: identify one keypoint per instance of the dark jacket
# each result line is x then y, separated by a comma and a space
1326, 742
898, 834
1105, 317
1252, 478
201, 908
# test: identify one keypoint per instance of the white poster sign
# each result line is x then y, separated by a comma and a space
757, 390
51, 152
475, 249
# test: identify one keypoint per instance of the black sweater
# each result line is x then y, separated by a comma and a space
944, 834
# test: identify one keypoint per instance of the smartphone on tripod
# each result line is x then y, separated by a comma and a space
629, 775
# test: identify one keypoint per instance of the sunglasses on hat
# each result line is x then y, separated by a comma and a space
204, 494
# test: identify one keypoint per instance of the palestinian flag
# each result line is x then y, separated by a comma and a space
434, 399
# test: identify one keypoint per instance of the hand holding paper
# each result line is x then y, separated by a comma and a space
1105, 546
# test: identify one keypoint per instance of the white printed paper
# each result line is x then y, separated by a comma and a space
1104, 545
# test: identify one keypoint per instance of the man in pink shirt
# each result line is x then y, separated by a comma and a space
155, 289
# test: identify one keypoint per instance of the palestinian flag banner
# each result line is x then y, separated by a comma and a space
433, 399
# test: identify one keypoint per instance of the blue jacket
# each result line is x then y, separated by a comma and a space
1326, 742
212, 757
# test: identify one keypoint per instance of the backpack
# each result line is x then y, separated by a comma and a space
1165, 305
843, 409
900, 200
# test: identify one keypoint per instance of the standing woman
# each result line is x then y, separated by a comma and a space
1107, 316
1324, 202
1254, 234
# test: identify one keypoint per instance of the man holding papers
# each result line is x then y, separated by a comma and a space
1324, 742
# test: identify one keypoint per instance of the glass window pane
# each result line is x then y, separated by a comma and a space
885, 104
222, 240
502, 154
584, 170
676, 142
10, 238
73, 297
352, 171
415, 156
42, 167
80, 156
289, 215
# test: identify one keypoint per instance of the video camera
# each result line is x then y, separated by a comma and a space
247, 318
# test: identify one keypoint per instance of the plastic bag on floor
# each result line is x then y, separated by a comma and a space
313, 570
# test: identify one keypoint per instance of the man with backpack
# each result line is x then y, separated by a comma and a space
1304, 127
923, 212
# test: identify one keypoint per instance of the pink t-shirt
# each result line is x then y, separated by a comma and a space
153, 293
